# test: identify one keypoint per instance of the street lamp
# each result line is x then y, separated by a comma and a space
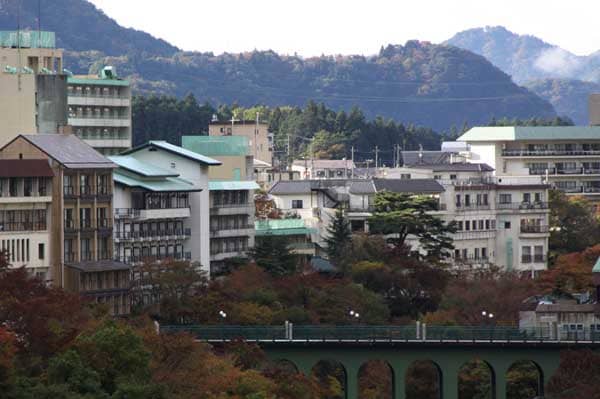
354, 314
223, 315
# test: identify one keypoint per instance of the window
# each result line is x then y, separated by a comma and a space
484, 253
485, 199
474, 224
487, 224
467, 225
538, 254
13, 186
452, 177
297, 204
481, 225
437, 177
493, 223
505, 198
507, 225
28, 187
405, 176
467, 200
458, 201
465, 253
459, 225
457, 253
526, 198
41, 251
476, 255
538, 197
526, 254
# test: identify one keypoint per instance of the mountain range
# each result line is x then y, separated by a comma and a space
435, 85
553, 73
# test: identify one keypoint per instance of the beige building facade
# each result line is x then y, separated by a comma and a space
260, 140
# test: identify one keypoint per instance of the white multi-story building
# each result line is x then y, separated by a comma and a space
566, 157
163, 203
503, 222
25, 214
323, 168
100, 110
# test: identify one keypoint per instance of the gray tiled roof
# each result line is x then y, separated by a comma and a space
69, 150
330, 185
462, 167
99, 266
416, 186
291, 187
411, 158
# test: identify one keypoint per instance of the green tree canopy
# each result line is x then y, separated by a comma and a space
273, 254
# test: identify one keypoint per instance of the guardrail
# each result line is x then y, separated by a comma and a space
416, 332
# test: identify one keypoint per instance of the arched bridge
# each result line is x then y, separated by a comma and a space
447, 348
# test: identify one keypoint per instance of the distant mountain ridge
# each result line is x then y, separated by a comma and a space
420, 83
557, 75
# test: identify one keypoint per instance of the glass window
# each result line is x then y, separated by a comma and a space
297, 204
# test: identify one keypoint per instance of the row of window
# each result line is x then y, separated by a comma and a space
170, 250
482, 199
103, 218
98, 113
87, 185
18, 250
104, 280
148, 229
476, 254
24, 187
160, 200
229, 222
26, 220
96, 91
482, 224
230, 197
228, 245
117, 304
86, 249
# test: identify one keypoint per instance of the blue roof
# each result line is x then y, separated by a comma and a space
141, 168
176, 150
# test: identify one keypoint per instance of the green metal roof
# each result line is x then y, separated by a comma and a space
97, 81
281, 227
513, 133
169, 184
217, 145
176, 150
232, 185
596, 268
141, 168
28, 39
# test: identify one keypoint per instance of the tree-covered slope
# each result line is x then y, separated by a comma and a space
420, 83
80, 26
569, 96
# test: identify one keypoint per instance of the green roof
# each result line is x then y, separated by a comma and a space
217, 145
169, 184
513, 133
176, 150
214, 185
596, 268
139, 167
97, 81
281, 227
28, 39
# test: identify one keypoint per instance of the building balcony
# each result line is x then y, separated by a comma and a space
222, 254
127, 213
472, 207
20, 199
103, 193
551, 153
533, 258
240, 231
534, 229
133, 259
522, 206
86, 224
472, 260
177, 234
71, 226
96, 121
69, 192
12, 227
231, 209
87, 256
98, 100
70, 257
474, 235
166, 213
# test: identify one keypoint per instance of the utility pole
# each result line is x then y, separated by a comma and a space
394, 156
288, 163
376, 158
352, 166
256, 134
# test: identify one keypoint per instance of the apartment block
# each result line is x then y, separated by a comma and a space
259, 138
232, 188
164, 206
25, 209
100, 110
152, 212
80, 213
323, 168
566, 157
33, 86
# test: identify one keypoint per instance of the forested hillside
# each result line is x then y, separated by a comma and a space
419, 83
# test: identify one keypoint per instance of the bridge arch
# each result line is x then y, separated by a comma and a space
285, 365
376, 378
476, 378
332, 377
524, 379
423, 378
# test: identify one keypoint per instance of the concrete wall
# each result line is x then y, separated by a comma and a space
258, 140
52, 103
594, 109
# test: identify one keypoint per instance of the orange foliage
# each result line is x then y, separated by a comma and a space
572, 272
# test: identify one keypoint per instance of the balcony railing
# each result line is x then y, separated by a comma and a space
522, 205
103, 191
70, 224
86, 256
152, 258
534, 229
547, 153
154, 234
22, 226
238, 205
472, 259
94, 95
127, 213
533, 258
85, 224
104, 223
70, 257
103, 255
472, 207
69, 191
85, 190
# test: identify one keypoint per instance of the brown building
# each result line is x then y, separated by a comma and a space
260, 140
81, 226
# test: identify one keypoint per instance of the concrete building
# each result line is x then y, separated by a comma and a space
323, 168
153, 218
594, 109
566, 157
100, 110
259, 138
173, 170
80, 216
232, 188
25, 209
33, 87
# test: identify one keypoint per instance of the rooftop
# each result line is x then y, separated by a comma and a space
163, 145
410, 158
99, 266
167, 184
324, 163
28, 39
410, 186
94, 80
454, 167
69, 150
281, 227
358, 186
232, 185
514, 133
139, 167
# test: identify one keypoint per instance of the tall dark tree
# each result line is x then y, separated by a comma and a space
403, 215
273, 254
339, 237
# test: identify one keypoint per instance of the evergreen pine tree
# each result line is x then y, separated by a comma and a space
339, 236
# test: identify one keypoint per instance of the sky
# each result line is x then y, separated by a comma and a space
315, 27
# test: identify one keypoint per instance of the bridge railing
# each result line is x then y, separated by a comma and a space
418, 332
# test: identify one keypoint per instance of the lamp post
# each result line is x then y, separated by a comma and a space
354, 315
223, 316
